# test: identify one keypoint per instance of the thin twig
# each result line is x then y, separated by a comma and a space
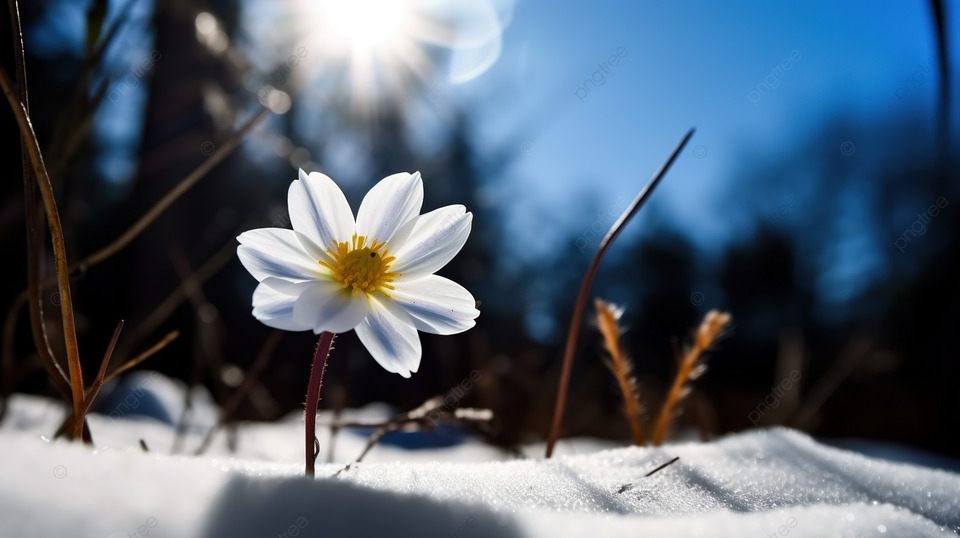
174, 194
67, 424
146, 354
166, 307
94, 389
73, 131
208, 352
573, 332
185, 184
423, 417
627, 487
249, 380
662, 467
121, 242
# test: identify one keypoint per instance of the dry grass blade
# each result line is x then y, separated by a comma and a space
170, 337
9, 327
573, 332
94, 389
185, 185
34, 227
59, 248
67, 424
608, 317
710, 330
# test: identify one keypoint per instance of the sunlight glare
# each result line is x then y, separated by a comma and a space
365, 26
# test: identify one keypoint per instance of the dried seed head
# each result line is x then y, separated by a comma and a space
712, 328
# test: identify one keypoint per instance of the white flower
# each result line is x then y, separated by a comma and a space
373, 275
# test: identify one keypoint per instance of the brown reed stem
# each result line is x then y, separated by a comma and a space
34, 228
573, 332
67, 424
98, 382
9, 326
59, 249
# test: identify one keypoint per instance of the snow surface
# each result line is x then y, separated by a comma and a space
759, 483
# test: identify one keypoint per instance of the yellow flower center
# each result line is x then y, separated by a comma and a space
362, 267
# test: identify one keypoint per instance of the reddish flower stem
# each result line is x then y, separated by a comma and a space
320, 356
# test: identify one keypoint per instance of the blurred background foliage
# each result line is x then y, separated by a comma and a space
807, 244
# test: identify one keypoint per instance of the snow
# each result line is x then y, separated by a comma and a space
774, 482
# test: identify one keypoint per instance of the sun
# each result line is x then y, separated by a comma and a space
375, 42
364, 57
365, 27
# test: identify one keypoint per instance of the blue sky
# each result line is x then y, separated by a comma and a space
688, 64
685, 64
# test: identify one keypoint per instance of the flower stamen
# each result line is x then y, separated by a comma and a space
361, 267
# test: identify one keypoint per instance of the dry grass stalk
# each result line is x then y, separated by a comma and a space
710, 330
573, 332
608, 317
59, 247
68, 423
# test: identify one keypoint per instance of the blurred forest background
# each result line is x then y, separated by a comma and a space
812, 245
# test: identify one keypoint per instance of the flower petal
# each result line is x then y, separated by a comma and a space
276, 253
319, 211
326, 306
437, 305
435, 239
389, 335
390, 204
275, 309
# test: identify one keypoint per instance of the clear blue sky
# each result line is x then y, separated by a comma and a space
688, 64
